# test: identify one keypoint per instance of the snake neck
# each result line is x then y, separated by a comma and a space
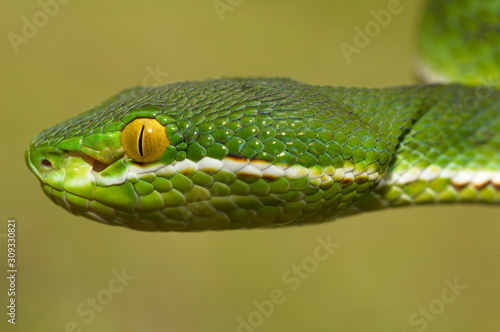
447, 138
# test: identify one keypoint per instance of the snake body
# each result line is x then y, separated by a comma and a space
459, 41
245, 153
267, 152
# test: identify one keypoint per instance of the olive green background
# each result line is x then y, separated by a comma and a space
388, 264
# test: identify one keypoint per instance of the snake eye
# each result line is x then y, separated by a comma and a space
144, 140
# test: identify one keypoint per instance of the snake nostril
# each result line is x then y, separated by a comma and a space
46, 163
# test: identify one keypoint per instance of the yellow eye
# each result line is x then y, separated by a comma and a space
144, 140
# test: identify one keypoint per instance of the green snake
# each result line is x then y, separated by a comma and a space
269, 152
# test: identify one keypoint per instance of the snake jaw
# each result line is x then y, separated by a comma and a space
71, 179
97, 165
74, 172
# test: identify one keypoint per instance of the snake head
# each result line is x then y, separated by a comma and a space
90, 164
219, 154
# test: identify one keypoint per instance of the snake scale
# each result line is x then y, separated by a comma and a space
268, 152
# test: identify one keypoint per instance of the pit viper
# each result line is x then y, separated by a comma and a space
237, 153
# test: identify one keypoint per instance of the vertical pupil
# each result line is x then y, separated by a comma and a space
140, 141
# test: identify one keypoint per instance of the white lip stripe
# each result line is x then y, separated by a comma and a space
429, 173
186, 164
232, 165
210, 164
459, 178
247, 167
428, 75
496, 178
275, 171
296, 172
261, 165
250, 170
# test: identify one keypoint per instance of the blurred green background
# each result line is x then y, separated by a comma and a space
389, 264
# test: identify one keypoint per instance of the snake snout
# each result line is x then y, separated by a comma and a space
42, 161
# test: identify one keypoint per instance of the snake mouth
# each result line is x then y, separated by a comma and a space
44, 161
73, 171
97, 165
